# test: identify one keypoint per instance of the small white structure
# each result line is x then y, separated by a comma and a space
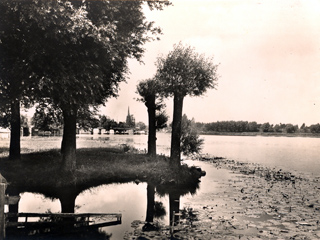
4, 133
104, 131
96, 131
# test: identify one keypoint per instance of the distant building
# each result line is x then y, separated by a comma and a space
130, 121
4, 133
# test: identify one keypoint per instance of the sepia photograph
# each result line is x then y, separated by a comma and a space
173, 119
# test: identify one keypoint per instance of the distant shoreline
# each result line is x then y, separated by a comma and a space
264, 134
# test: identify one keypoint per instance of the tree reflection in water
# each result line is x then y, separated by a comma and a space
174, 189
68, 228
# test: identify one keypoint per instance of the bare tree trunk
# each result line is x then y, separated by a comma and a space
68, 145
175, 154
152, 138
14, 152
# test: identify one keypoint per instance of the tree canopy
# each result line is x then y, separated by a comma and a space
74, 51
183, 72
84, 48
18, 43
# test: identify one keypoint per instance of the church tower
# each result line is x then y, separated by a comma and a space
130, 121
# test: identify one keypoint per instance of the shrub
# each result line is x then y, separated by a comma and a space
190, 141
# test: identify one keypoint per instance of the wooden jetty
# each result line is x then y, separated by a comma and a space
59, 223
49, 222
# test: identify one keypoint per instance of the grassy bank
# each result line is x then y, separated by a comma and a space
40, 171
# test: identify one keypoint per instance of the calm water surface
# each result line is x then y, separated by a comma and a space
128, 199
290, 153
301, 154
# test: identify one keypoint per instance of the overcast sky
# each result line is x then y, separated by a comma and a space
268, 54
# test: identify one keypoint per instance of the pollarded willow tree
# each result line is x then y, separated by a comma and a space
183, 72
81, 55
150, 95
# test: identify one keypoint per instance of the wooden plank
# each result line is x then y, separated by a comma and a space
104, 224
56, 224
64, 215
79, 225
40, 224
3, 187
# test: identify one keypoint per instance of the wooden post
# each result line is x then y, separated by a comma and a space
3, 187
172, 225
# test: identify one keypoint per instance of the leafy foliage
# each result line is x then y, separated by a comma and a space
161, 120
315, 128
141, 126
150, 94
17, 47
148, 90
185, 72
107, 123
47, 117
232, 126
190, 141
89, 44
4, 119
87, 118
245, 126
72, 52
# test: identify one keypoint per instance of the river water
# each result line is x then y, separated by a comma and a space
296, 154
129, 199
290, 153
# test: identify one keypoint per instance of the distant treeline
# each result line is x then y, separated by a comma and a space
245, 126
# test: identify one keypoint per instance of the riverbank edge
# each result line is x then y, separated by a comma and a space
262, 134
